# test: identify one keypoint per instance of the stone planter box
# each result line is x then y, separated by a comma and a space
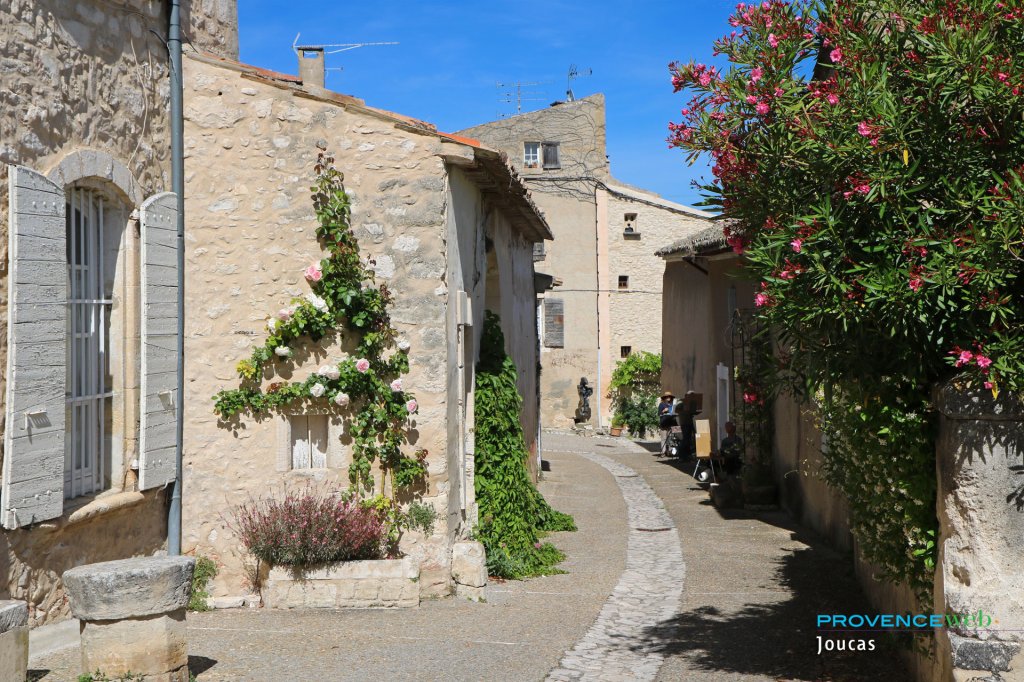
387, 583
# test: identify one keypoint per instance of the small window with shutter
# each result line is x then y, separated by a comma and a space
539, 251
551, 159
554, 323
309, 441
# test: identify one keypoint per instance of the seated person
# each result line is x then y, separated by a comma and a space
731, 450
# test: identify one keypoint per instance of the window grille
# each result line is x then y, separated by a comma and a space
89, 382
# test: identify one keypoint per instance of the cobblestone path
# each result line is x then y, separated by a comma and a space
647, 593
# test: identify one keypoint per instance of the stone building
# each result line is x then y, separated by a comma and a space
608, 302
451, 230
84, 160
89, 284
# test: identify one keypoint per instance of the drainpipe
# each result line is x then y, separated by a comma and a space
178, 186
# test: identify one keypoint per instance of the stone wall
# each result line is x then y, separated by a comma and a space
250, 148
636, 311
567, 198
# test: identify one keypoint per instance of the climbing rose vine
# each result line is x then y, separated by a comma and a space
869, 155
367, 387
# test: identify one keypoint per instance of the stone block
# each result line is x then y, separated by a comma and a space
470, 593
129, 588
13, 614
354, 584
469, 564
14, 653
154, 646
225, 602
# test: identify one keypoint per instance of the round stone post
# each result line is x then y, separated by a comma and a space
979, 581
132, 615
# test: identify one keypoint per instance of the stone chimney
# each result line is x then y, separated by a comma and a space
311, 65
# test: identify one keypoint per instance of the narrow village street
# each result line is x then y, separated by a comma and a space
659, 585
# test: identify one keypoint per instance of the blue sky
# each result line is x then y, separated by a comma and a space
451, 54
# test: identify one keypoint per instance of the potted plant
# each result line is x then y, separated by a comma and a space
617, 423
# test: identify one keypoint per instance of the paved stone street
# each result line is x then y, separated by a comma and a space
660, 585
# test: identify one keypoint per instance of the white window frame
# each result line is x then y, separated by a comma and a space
531, 154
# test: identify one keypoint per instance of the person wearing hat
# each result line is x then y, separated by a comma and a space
666, 418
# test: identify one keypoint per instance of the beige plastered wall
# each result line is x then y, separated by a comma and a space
84, 97
567, 196
250, 151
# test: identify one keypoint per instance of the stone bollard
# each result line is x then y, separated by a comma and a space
980, 455
13, 640
469, 570
132, 615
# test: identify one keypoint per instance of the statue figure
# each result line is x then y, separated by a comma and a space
583, 409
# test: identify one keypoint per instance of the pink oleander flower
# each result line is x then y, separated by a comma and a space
314, 273
751, 99
412, 406
864, 129
756, 74
965, 357
396, 385
915, 283
362, 365
761, 299
983, 361
797, 244
832, 98
836, 56
704, 79
342, 399
772, 40
988, 385
762, 108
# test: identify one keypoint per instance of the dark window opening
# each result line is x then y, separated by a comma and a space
624, 351
623, 281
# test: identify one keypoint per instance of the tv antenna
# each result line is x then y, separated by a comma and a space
338, 47
575, 73
515, 94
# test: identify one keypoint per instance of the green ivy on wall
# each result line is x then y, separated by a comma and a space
366, 385
514, 516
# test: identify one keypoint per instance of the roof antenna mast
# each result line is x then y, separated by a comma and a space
574, 73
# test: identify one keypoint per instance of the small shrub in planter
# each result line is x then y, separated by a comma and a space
309, 528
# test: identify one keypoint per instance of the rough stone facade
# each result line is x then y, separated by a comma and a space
251, 142
84, 97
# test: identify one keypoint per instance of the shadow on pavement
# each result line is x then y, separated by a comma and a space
779, 639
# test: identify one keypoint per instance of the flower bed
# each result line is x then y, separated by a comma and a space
350, 584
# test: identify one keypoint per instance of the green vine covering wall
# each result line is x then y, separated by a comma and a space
514, 516
368, 385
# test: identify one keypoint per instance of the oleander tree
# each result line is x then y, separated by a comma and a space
870, 157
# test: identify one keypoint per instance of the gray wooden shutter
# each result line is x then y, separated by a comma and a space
551, 160
554, 323
157, 421
33, 469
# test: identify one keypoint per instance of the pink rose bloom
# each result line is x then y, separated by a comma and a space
983, 361
796, 244
314, 273
755, 74
342, 399
284, 314
762, 108
411, 406
864, 129
396, 385
363, 365
836, 56
772, 40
